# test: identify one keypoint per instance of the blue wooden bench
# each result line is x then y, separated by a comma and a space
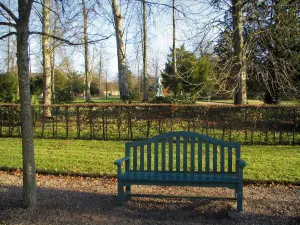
181, 159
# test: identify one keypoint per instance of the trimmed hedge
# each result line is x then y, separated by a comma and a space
247, 124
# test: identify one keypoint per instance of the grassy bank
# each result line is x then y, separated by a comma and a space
78, 157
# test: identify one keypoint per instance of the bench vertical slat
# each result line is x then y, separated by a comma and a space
170, 154
215, 158
163, 157
127, 154
238, 155
142, 158
192, 154
149, 157
222, 164
229, 159
156, 156
199, 155
206, 157
134, 158
185, 153
178, 154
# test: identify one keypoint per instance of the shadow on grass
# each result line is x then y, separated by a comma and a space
57, 206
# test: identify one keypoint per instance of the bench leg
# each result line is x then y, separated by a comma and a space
239, 197
128, 189
121, 195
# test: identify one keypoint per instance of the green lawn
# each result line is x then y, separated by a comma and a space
78, 157
109, 99
250, 102
116, 99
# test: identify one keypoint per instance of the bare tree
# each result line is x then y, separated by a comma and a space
8, 45
145, 58
46, 46
86, 54
123, 83
53, 50
21, 26
174, 40
238, 70
100, 73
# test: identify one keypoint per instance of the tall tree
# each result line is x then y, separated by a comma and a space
8, 45
22, 28
123, 82
174, 57
100, 73
21, 25
86, 54
273, 31
145, 58
238, 70
46, 46
53, 50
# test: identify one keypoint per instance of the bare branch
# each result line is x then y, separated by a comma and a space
70, 42
9, 12
7, 35
162, 4
7, 24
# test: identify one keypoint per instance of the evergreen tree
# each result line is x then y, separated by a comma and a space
191, 73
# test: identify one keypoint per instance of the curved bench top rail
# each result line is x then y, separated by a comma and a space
202, 137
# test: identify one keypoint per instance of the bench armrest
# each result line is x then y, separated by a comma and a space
241, 163
120, 161
119, 164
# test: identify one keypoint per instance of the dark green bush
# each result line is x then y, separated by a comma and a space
160, 100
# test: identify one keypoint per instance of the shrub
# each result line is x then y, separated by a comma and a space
160, 100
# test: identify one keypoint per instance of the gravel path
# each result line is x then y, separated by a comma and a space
76, 200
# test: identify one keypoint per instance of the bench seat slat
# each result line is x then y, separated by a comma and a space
180, 177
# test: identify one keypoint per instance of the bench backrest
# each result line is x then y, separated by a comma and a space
182, 152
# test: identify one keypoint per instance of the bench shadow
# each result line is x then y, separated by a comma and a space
56, 206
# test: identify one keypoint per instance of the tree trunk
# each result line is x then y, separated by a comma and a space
46, 59
239, 70
53, 47
174, 42
29, 183
145, 58
86, 55
8, 52
100, 74
123, 83
8, 44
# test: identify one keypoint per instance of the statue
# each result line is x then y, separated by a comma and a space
158, 87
